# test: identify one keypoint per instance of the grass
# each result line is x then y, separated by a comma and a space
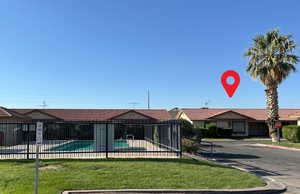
17, 176
285, 144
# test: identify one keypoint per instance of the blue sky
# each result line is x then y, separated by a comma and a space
106, 54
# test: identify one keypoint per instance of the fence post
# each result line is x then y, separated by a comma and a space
171, 135
28, 125
180, 137
106, 140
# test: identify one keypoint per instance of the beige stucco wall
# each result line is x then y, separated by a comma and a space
10, 120
184, 116
199, 124
196, 123
224, 124
229, 115
298, 122
225, 121
132, 115
100, 136
38, 115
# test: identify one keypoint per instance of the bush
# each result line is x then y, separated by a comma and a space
212, 130
187, 128
197, 134
291, 133
189, 146
201, 133
224, 132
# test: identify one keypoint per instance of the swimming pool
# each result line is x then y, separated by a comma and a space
87, 146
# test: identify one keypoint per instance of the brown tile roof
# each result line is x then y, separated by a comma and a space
229, 111
296, 115
96, 114
174, 112
257, 114
7, 113
4, 113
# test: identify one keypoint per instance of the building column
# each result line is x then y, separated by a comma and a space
247, 128
100, 137
111, 137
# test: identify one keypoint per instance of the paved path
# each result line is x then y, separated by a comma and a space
278, 164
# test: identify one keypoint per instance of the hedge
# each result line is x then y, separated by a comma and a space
224, 132
291, 133
201, 132
212, 130
198, 133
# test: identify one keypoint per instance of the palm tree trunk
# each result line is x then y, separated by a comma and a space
272, 111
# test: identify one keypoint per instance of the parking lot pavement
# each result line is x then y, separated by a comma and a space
278, 164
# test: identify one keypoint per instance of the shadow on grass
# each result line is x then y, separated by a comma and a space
184, 160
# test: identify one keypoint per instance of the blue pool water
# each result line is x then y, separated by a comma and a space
86, 146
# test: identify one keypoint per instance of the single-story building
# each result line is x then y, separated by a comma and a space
244, 122
297, 117
98, 125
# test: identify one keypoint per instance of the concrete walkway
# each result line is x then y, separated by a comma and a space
278, 164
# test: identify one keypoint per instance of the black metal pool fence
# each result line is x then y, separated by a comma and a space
97, 139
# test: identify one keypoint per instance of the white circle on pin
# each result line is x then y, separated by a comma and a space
230, 80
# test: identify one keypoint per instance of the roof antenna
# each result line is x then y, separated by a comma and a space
148, 99
44, 104
133, 104
206, 104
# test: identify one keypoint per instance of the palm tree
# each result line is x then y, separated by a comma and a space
271, 60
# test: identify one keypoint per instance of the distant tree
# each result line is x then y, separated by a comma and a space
271, 60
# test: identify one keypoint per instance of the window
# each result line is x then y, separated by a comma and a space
199, 124
224, 124
238, 126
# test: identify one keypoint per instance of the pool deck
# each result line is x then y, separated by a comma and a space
20, 151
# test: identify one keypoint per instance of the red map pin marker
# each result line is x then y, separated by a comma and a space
230, 88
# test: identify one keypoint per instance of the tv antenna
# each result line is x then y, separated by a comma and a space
148, 99
206, 103
43, 105
133, 104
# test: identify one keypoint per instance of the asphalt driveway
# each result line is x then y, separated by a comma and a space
278, 164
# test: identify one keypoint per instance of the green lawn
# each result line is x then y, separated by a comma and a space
17, 176
285, 144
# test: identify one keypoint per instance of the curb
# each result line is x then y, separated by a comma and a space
271, 187
276, 146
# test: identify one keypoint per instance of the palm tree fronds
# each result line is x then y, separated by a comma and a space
271, 58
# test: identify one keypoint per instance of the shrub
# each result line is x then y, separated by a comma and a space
187, 128
197, 134
291, 133
224, 132
212, 130
189, 146
201, 133
155, 135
